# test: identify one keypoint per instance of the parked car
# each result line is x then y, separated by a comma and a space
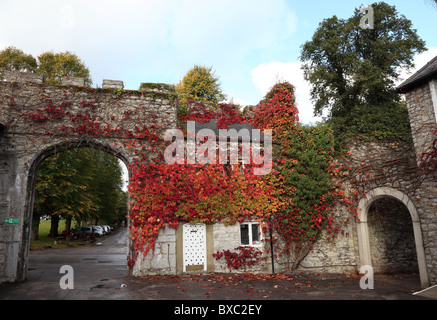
98, 230
106, 229
64, 234
88, 229
89, 232
77, 233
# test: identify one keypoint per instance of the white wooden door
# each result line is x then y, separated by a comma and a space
194, 247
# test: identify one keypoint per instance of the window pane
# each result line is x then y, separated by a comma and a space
244, 232
255, 233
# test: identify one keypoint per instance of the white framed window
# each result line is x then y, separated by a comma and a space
250, 234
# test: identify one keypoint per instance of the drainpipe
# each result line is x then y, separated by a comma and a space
271, 245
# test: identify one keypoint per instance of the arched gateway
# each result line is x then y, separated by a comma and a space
38, 120
363, 229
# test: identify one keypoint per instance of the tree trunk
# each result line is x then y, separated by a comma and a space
35, 227
54, 226
301, 253
68, 224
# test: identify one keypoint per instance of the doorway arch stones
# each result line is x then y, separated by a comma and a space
363, 230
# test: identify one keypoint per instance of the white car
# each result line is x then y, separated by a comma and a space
106, 229
98, 230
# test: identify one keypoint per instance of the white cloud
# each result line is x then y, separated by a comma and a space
419, 61
239, 101
266, 75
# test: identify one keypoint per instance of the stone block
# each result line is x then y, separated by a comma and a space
73, 81
15, 76
112, 84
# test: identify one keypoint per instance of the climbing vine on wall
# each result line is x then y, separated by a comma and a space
428, 158
307, 187
242, 257
295, 199
166, 194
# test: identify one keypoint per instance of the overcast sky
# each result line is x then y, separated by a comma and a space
250, 44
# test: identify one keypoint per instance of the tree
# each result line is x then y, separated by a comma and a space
61, 190
353, 70
201, 85
56, 66
105, 185
13, 59
83, 184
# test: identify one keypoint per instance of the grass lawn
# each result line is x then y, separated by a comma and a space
45, 240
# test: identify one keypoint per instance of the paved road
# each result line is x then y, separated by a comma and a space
95, 267
100, 272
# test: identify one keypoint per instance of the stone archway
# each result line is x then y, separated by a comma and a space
36, 117
363, 229
30, 191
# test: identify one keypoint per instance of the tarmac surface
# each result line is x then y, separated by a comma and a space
100, 273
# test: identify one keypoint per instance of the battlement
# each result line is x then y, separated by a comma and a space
16, 76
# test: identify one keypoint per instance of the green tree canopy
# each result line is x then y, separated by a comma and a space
83, 184
201, 85
56, 66
13, 59
353, 70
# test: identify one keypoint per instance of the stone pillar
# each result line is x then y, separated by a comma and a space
12, 198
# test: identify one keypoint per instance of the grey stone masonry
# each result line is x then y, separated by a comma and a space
13, 76
112, 84
73, 81
38, 120
422, 117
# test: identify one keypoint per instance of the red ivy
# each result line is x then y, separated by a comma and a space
242, 257
163, 195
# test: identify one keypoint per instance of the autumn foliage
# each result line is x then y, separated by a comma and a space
294, 200
428, 158
166, 194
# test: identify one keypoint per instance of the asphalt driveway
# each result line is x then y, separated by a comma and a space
100, 273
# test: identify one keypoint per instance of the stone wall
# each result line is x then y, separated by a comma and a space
161, 260
334, 255
392, 166
405, 239
228, 238
25, 142
393, 249
382, 165
422, 117
422, 105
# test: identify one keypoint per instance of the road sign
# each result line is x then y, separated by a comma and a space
10, 220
